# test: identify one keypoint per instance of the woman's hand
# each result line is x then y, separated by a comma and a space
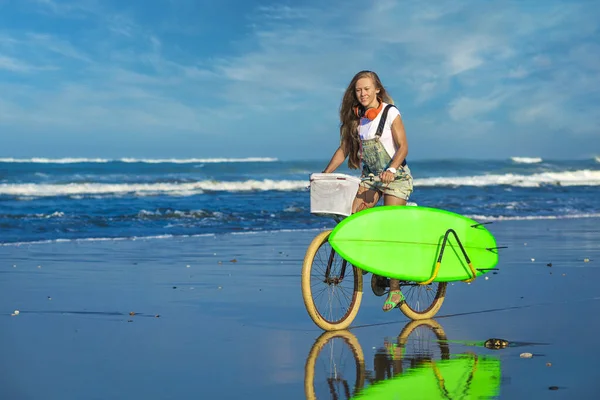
387, 177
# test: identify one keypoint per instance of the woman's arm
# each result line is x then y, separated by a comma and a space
336, 160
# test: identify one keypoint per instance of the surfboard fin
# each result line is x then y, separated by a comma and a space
481, 223
492, 249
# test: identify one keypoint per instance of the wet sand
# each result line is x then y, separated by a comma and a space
223, 318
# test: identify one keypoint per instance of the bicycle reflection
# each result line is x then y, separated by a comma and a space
417, 364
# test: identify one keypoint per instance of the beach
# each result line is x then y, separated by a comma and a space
222, 317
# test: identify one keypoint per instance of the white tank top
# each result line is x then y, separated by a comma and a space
367, 129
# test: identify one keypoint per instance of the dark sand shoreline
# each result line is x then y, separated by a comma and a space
229, 329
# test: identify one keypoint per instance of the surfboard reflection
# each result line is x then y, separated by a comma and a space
416, 364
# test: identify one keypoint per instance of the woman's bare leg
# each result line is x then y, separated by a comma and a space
365, 198
395, 295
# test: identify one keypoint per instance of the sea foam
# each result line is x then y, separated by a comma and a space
41, 160
567, 178
75, 190
146, 189
526, 160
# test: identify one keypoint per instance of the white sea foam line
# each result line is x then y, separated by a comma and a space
108, 239
526, 160
135, 160
531, 217
41, 160
180, 189
157, 237
568, 178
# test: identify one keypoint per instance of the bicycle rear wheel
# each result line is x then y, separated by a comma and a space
332, 288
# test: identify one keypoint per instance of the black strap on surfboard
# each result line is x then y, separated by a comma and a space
379, 130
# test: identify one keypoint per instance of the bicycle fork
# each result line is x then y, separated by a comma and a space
334, 280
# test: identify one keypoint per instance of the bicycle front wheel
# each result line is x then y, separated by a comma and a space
332, 288
422, 301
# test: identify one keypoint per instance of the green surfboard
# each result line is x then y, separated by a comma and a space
462, 377
404, 242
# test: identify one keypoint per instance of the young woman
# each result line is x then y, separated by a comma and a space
382, 153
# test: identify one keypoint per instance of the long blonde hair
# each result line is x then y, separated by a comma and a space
349, 120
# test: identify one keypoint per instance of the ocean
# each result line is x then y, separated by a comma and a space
70, 199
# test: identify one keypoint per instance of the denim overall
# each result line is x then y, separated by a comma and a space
376, 159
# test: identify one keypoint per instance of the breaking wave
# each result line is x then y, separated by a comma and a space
531, 217
135, 160
32, 190
570, 178
143, 189
526, 160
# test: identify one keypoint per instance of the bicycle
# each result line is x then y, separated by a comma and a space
332, 196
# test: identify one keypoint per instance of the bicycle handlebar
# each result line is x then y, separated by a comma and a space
373, 178
370, 178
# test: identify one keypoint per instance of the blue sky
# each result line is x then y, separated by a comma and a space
187, 78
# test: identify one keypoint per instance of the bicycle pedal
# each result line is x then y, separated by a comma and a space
379, 285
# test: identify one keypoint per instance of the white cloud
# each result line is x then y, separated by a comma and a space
466, 108
15, 65
518, 72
